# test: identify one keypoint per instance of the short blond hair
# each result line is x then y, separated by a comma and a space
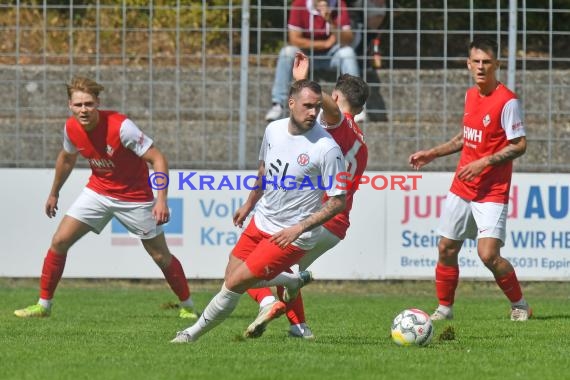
84, 84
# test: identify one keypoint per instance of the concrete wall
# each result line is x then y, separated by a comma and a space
195, 114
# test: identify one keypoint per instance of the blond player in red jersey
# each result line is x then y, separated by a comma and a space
118, 153
493, 136
347, 99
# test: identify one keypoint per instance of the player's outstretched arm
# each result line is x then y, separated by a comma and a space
331, 112
300, 66
63, 166
424, 157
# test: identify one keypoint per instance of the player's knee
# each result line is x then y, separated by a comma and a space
346, 52
235, 285
60, 243
161, 258
240, 280
447, 250
491, 261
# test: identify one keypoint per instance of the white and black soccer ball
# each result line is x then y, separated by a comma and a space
412, 327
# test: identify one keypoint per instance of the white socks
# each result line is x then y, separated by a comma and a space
219, 308
445, 310
45, 303
266, 301
522, 304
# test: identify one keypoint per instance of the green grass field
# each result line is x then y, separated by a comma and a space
118, 330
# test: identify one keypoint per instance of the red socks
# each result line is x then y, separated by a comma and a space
259, 294
295, 309
54, 265
446, 280
447, 277
510, 286
176, 278
51, 274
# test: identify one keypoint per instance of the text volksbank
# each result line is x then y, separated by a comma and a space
344, 181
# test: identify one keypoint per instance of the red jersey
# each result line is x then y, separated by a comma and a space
116, 171
351, 141
303, 17
489, 122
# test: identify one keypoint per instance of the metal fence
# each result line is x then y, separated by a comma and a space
191, 77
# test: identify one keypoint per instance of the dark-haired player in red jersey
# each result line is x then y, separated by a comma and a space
347, 99
493, 136
118, 153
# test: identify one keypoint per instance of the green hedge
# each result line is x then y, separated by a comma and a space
215, 15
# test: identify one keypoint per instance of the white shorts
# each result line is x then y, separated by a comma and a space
97, 210
461, 219
326, 241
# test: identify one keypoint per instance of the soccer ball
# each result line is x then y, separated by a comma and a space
412, 326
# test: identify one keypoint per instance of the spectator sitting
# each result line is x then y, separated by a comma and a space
321, 29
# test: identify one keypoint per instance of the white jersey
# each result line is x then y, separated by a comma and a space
299, 169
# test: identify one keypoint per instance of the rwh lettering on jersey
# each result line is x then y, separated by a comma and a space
101, 163
472, 135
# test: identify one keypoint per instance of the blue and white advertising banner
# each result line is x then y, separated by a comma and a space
392, 234
538, 233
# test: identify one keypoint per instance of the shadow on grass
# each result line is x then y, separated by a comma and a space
551, 317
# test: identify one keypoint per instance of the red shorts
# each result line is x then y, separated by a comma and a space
264, 258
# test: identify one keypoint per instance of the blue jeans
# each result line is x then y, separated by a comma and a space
341, 57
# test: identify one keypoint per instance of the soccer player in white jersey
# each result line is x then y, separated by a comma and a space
492, 136
298, 163
347, 99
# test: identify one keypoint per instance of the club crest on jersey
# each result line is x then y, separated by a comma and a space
486, 120
109, 150
303, 159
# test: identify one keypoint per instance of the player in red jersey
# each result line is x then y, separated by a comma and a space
347, 99
493, 136
118, 153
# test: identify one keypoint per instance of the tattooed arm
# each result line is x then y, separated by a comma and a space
332, 206
516, 148
424, 157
